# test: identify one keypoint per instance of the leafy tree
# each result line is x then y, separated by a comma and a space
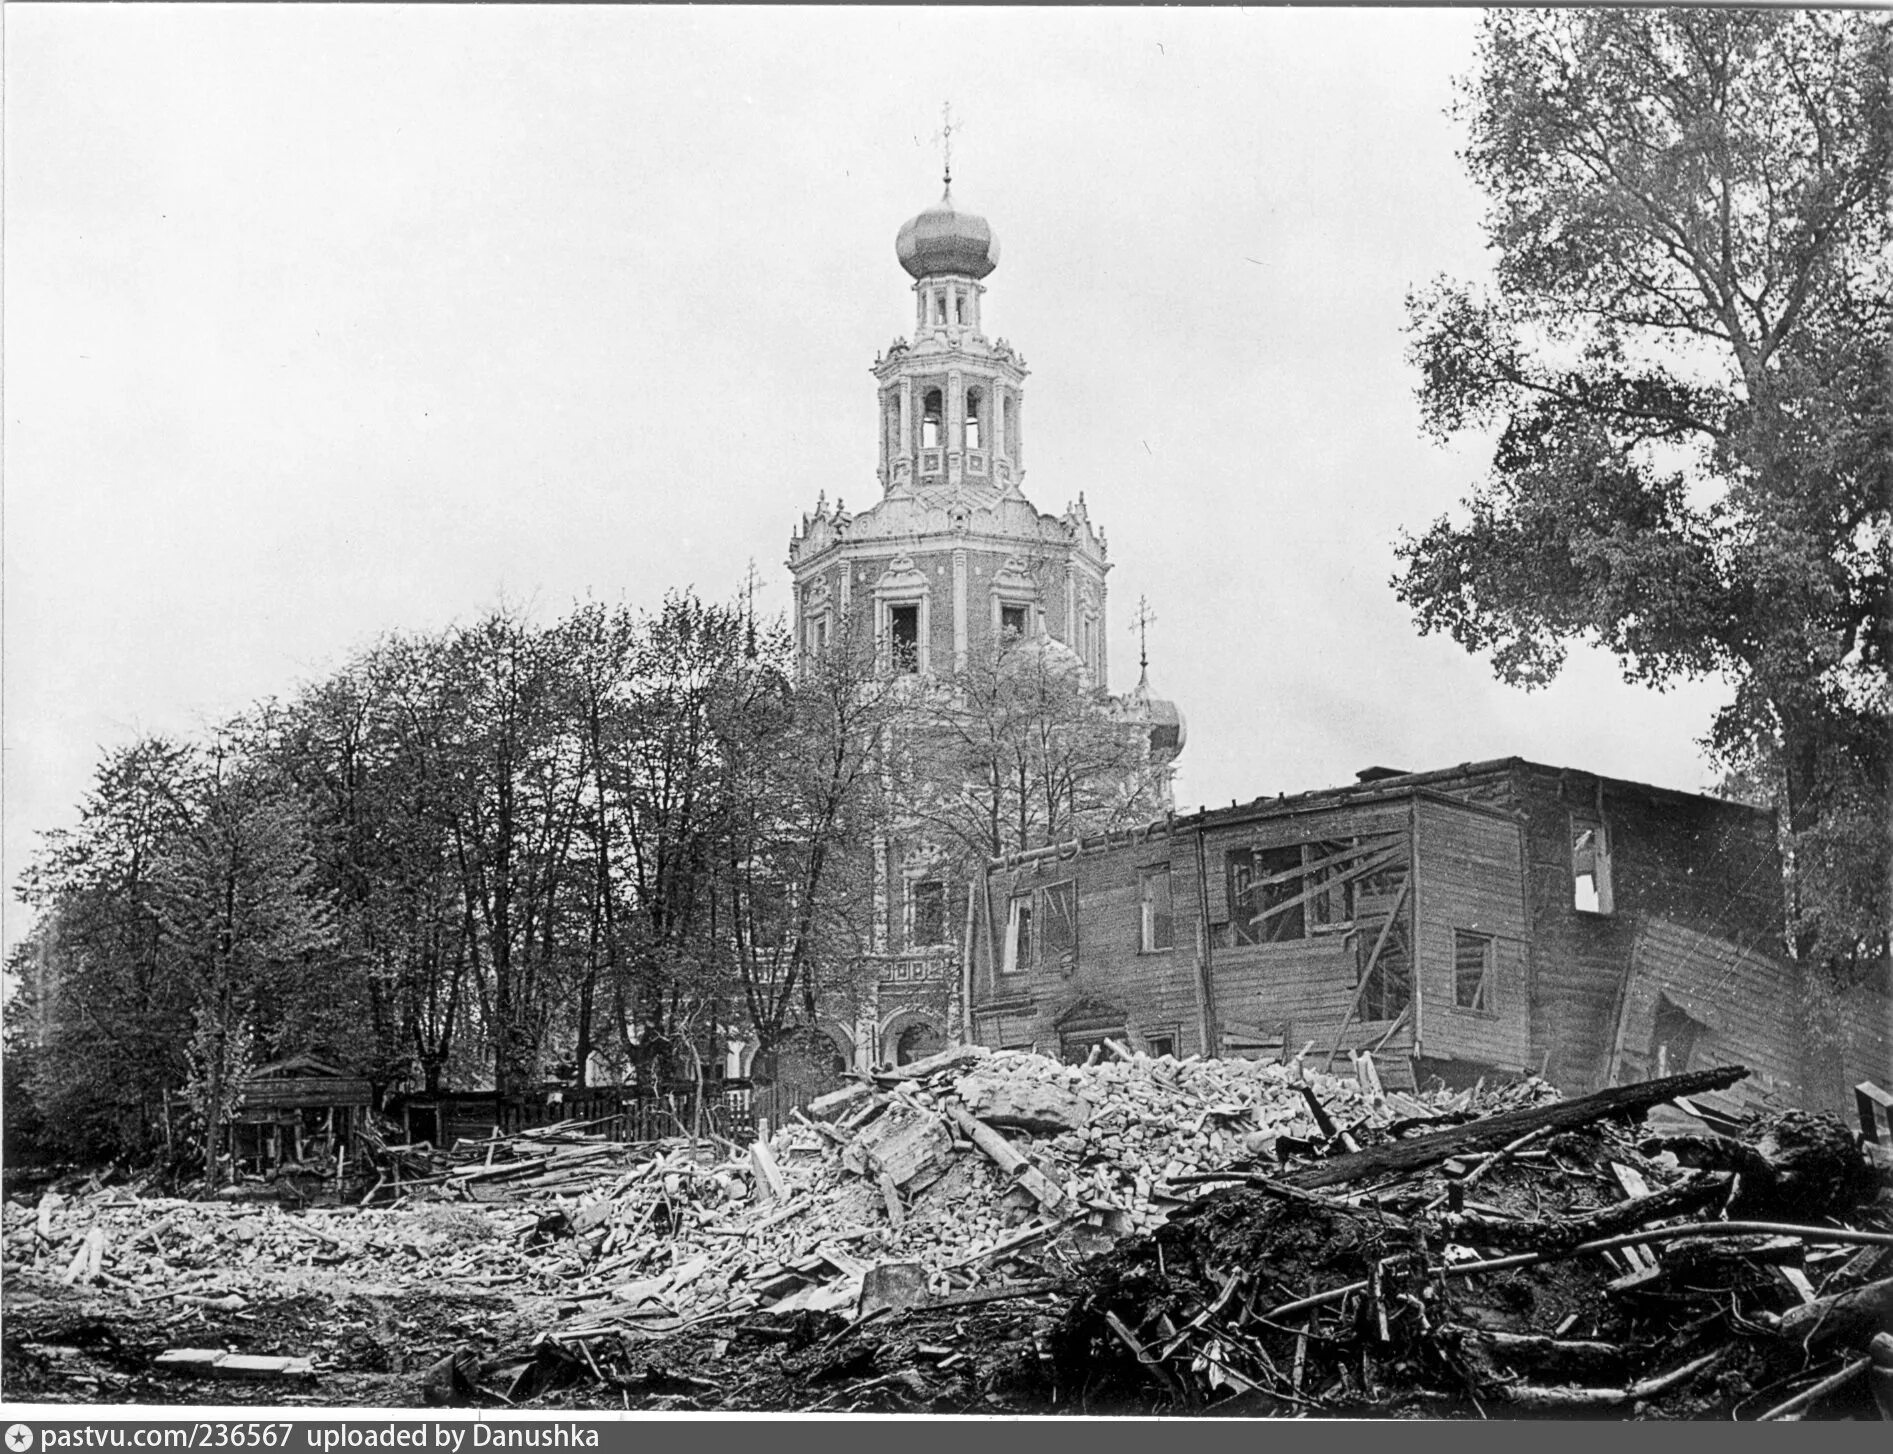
1017, 751
244, 924
1685, 360
101, 1008
803, 752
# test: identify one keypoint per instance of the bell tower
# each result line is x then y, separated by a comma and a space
950, 400
951, 556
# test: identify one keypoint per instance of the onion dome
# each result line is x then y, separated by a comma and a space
1168, 731
945, 240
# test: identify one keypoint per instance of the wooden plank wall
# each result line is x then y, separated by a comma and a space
1748, 1002
1700, 862
1307, 982
1155, 991
1471, 877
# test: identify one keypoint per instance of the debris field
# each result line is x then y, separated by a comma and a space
997, 1232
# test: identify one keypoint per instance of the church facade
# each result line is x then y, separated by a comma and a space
949, 567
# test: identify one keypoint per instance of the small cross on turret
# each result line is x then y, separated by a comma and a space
1141, 624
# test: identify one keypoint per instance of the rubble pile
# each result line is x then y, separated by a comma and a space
993, 1230
1554, 1267
959, 1171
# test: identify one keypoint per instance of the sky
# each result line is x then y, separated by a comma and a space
328, 322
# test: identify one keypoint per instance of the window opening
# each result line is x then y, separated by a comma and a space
1590, 866
959, 308
1331, 891
1674, 1037
930, 420
917, 1042
1265, 895
928, 897
1019, 936
1012, 618
1158, 924
1161, 1045
1472, 971
1059, 935
903, 623
972, 418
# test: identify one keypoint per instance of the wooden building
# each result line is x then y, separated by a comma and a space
1502, 917
296, 1109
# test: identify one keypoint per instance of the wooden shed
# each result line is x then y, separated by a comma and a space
299, 1109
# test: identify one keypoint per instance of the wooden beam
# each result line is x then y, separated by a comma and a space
1373, 958
1420, 1152
1373, 865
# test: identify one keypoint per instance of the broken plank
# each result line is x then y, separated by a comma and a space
768, 1174
1007, 1158
890, 1197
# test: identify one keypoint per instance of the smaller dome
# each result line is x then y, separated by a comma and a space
945, 240
1168, 730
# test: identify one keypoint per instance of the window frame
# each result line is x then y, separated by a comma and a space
1147, 918
1603, 898
912, 925
1018, 912
1063, 956
895, 657
1485, 998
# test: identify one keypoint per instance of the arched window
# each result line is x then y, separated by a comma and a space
930, 411
939, 307
972, 418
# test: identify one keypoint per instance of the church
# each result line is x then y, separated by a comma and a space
1457, 923
949, 570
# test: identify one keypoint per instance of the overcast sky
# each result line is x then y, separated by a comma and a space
327, 322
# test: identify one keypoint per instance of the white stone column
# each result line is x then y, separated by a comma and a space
880, 896
997, 424
959, 609
955, 424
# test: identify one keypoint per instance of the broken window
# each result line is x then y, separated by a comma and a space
1158, 928
903, 630
926, 899
1385, 960
972, 419
1590, 865
1161, 1045
1330, 889
1675, 1035
1266, 906
1019, 936
930, 419
1012, 618
1472, 972
1059, 936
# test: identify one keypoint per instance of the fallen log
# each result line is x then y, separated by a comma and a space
1856, 1314
1526, 1396
1537, 1352
1827, 1385
1493, 1132
1547, 1234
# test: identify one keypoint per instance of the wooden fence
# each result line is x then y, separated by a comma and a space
613, 1111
